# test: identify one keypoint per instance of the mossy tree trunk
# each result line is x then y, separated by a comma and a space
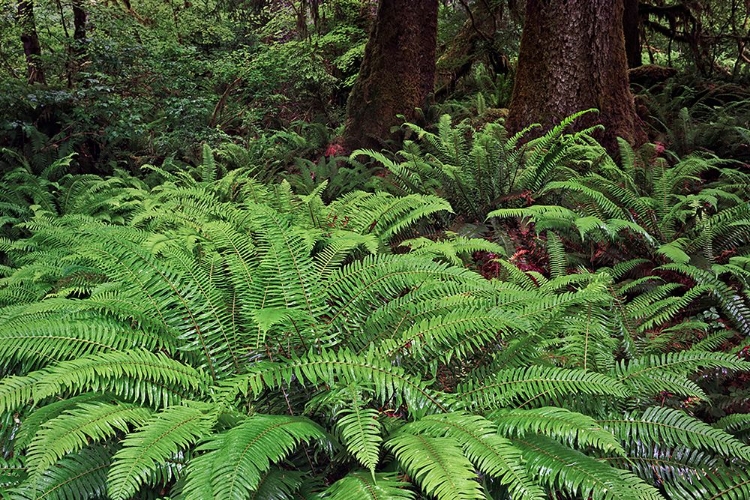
32, 49
397, 73
573, 58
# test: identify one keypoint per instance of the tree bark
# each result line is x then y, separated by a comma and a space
397, 73
573, 58
30, 39
79, 21
77, 48
632, 27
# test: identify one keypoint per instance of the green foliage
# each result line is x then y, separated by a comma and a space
477, 170
208, 335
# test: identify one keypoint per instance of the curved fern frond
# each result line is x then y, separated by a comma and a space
80, 475
491, 453
390, 382
724, 485
438, 465
360, 430
568, 469
675, 428
362, 486
76, 428
163, 435
240, 457
564, 425
535, 384
653, 374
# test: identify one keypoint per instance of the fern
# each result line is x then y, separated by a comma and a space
438, 465
156, 440
78, 427
360, 430
362, 485
676, 428
236, 460
492, 454
557, 465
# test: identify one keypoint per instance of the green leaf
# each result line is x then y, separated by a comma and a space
438, 465
362, 486
491, 453
235, 462
360, 430
76, 428
166, 433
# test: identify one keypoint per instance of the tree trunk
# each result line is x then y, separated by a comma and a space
573, 58
79, 22
30, 39
397, 72
78, 47
632, 27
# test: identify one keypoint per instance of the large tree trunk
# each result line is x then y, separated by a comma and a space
632, 26
573, 58
30, 39
397, 72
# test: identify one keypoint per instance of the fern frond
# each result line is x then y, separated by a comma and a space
362, 486
438, 465
360, 430
76, 428
492, 454
653, 374
134, 375
579, 474
675, 428
736, 424
240, 458
76, 476
154, 442
279, 484
724, 485
663, 464
575, 429
390, 383
525, 386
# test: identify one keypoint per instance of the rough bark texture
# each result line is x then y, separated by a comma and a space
632, 26
573, 58
30, 39
397, 72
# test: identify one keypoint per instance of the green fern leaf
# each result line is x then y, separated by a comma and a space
438, 465
238, 459
574, 429
675, 428
166, 433
278, 484
724, 485
135, 375
76, 428
536, 384
362, 486
579, 474
360, 430
76, 476
492, 454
